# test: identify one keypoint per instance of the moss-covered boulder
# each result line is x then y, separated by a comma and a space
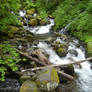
60, 48
48, 79
31, 11
33, 22
29, 86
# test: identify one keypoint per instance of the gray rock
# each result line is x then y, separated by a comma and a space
74, 52
9, 85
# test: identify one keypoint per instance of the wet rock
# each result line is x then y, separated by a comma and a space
48, 79
24, 78
73, 52
33, 22
62, 36
31, 11
67, 69
28, 17
60, 48
9, 85
29, 86
50, 40
67, 87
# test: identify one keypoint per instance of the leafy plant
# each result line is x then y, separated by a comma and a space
8, 59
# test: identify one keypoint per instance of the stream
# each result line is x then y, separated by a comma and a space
84, 74
75, 53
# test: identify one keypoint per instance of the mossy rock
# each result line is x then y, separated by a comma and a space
12, 30
38, 17
31, 11
43, 22
61, 49
24, 78
48, 79
89, 48
33, 22
20, 24
29, 86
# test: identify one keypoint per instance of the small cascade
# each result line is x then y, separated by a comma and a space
40, 29
84, 80
22, 13
75, 53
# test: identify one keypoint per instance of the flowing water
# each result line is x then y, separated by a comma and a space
84, 74
84, 79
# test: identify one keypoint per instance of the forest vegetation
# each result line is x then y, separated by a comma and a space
76, 12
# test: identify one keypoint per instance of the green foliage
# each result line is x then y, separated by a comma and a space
27, 4
43, 14
8, 9
8, 59
67, 11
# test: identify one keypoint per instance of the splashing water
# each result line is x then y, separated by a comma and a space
84, 80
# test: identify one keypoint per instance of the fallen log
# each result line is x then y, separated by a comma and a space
30, 57
45, 65
48, 66
57, 65
66, 75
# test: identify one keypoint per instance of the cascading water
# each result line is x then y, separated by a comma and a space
40, 29
84, 80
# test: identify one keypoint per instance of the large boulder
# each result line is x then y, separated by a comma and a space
29, 86
48, 79
9, 85
60, 48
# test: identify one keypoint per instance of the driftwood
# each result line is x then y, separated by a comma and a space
57, 65
41, 57
30, 57
42, 61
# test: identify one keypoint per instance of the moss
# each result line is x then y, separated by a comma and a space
24, 78
43, 22
89, 48
12, 30
31, 11
87, 38
29, 86
38, 17
48, 79
60, 50
33, 22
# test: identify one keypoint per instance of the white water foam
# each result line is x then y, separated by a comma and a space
41, 29
85, 73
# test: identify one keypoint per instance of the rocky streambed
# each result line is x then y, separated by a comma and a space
38, 40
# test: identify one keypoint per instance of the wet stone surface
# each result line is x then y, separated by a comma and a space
9, 85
